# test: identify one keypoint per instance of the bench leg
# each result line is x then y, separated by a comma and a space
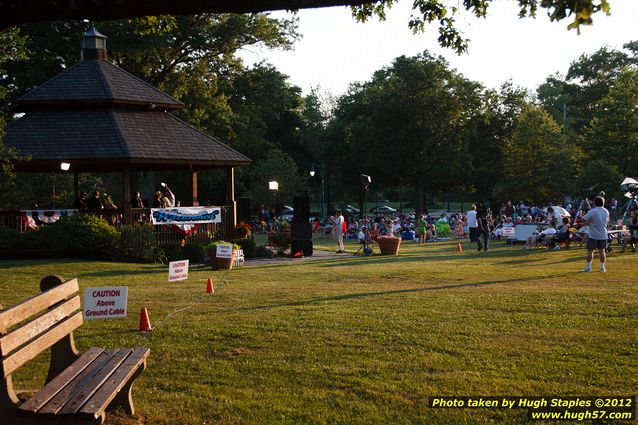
8, 399
124, 398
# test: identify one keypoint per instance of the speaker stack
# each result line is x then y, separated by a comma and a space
301, 230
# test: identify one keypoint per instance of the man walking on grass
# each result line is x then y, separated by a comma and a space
597, 219
339, 222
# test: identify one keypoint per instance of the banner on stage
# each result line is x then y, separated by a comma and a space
186, 215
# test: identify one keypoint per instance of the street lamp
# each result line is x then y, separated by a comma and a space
365, 182
322, 170
274, 186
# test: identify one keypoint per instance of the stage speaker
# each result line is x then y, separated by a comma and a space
243, 209
301, 204
305, 246
300, 229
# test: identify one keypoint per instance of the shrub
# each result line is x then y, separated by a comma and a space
195, 252
213, 245
9, 239
171, 252
247, 245
80, 235
263, 251
137, 242
280, 240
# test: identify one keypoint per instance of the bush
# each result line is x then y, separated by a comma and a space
263, 251
80, 236
137, 243
280, 240
247, 245
194, 252
9, 239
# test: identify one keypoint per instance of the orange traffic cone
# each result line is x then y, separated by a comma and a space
145, 323
209, 286
458, 248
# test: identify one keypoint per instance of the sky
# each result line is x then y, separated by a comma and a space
336, 50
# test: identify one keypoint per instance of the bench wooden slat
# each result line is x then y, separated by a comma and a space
62, 396
41, 343
61, 382
23, 334
98, 403
25, 309
78, 400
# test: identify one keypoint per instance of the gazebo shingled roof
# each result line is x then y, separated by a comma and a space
96, 82
104, 139
98, 117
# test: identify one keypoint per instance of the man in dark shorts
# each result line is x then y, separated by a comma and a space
597, 219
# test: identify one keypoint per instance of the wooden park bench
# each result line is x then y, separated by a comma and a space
78, 388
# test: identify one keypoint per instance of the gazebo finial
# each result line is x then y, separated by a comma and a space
93, 44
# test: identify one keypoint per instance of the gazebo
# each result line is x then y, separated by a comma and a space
96, 117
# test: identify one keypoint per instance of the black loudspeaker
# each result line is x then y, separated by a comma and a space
301, 229
243, 210
305, 246
301, 204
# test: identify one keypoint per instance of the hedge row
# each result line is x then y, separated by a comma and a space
90, 237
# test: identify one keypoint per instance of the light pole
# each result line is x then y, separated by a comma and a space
274, 186
322, 171
365, 183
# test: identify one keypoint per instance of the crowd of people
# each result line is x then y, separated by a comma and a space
557, 225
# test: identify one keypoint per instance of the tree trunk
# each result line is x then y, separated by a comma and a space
420, 195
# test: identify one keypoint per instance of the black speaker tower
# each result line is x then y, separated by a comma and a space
301, 230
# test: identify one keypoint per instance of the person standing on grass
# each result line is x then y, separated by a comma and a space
421, 224
471, 223
597, 219
482, 228
338, 229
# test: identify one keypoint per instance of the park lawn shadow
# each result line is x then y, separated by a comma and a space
361, 295
119, 273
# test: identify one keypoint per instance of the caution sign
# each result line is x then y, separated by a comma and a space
105, 303
224, 251
178, 270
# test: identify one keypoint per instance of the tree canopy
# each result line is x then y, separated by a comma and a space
15, 12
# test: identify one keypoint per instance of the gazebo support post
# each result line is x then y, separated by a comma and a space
194, 186
76, 186
230, 200
127, 212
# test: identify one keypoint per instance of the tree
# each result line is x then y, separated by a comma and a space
492, 126
602, 175
613, 132
278, 167
574, 99
15, 12
410, 124
539, 164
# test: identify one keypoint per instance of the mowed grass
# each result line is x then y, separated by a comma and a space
363, 340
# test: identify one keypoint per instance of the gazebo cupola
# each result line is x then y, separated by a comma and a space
93, 45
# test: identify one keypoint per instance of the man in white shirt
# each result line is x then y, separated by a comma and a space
471, 223
597, 219
338, 229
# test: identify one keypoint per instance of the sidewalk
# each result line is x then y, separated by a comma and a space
316, 256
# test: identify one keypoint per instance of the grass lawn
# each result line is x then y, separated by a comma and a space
364, 340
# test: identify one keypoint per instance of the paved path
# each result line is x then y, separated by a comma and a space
316, 256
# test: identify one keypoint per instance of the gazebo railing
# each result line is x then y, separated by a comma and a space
203, 233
